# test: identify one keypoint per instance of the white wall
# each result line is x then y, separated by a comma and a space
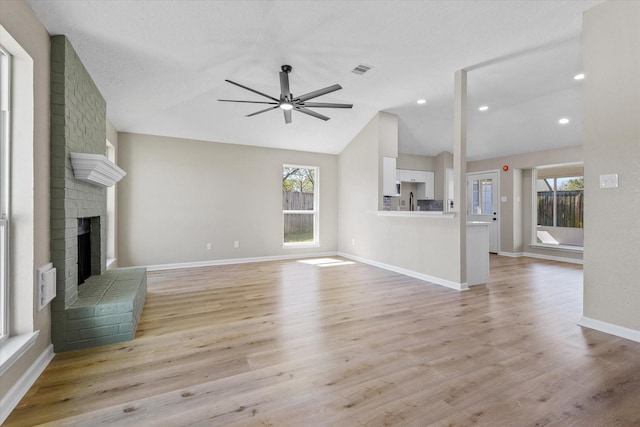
611, 45
420, 245
178, 195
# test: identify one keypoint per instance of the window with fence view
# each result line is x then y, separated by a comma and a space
300, 204
561, 202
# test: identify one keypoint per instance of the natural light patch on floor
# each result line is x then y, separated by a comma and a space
326, 262
546, 238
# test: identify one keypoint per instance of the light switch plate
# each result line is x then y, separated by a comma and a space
503, 199
609, 181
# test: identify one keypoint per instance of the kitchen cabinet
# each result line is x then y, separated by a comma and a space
389, 187
406, 175
426, 189
424, 181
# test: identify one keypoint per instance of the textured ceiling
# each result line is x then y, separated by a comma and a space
161, 67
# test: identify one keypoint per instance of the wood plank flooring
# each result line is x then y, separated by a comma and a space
337, 343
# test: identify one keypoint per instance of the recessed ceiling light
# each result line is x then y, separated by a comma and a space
563, 121
483, 108
579, 76
422, 101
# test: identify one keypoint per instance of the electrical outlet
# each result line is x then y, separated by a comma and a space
236, 244
208, 246
353, 242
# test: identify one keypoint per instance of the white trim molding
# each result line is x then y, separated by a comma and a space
561, 248
610, 328
14, 348
22, 386
96, 169
511, 254
427, 278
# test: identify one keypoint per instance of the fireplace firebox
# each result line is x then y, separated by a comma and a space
84, 249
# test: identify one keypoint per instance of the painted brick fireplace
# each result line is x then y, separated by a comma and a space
104, 310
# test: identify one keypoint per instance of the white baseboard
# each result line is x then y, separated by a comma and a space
609, 328
511, 254
20, 388
235, 261
427, 278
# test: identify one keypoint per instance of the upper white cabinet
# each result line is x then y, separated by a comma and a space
389, 187
426, 189
406, 175
423, 179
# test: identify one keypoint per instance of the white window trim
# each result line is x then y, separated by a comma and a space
563, 248
5, 135
20, 196
315, 212
13, 348
110, 217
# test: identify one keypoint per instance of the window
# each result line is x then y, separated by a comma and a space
300, 205
561, 201
482, 202
111, 212
4, 194
558, 207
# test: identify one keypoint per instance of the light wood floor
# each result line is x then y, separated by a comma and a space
346, 344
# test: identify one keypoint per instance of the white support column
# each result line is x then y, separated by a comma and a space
460, 165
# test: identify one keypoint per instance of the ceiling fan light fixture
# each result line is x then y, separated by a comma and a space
287, 103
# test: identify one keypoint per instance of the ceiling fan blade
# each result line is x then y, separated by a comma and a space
287, 116
253, 90
248, 102
284, 85
326, 105
311, 113
319, 92
262, 111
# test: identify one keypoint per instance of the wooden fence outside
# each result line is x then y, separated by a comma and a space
297, 201
297, 227
570, 208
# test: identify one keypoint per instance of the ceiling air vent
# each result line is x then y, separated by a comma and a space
361, 69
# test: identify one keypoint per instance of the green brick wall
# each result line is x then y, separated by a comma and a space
78, 125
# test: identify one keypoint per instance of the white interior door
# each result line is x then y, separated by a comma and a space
482, 203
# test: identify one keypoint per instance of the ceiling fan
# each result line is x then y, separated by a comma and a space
287, 102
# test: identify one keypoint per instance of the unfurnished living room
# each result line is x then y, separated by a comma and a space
319, 213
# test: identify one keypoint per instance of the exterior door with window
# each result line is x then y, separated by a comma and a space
482, 203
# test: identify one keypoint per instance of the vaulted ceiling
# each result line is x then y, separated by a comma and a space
162, 65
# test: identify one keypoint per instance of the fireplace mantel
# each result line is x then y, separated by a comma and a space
96, 169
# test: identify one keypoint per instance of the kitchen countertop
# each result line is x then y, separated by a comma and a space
418, 214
